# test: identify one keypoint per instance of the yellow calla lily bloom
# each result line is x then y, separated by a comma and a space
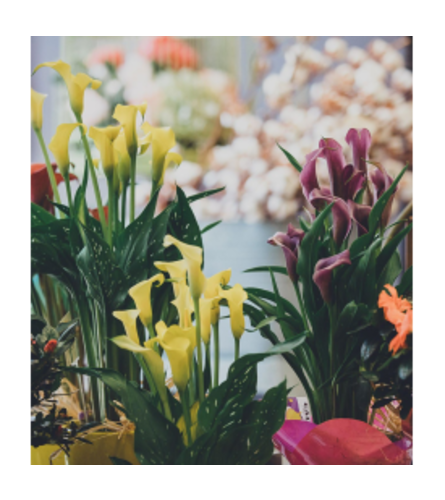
76, 84
193, 258
177, 271
177, 352
152, 358
37, 109
161, 328
235, 297
205, 308
161, 139
123, 158
59, 145
141, 294
181, 425
103, 139
126, 116
212, 289
129, 320
175, 331
184, 305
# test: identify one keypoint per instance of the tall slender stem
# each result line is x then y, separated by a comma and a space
111, 201
186, 414
208, 363
332, 357
133, 186
216, 354
51, 175
302, 309
199, 350
87, 149
68, 193
123, 205
237, 349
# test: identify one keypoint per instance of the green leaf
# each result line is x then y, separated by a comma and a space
291, 159
204, 194
263, 323
183, 221
267, 269
391, 272
406, 285
211, 226
119, 461
389, 249
40, 216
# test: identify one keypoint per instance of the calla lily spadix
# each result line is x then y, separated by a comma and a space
193, 258
59, 145
127, 116
76, 84
177, 271
37, 109
129, 319
236, 297
103, 139
184, 305
141, 294
161, 141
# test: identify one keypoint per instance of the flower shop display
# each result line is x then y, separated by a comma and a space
317, 93
344, 264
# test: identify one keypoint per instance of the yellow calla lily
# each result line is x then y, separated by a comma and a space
205, 308
193, 258
126, 116
212, 289
161, 328
129, 320
177, 353
184, 305
235, 297
181, 425
177, 271
76, 84
123, 158
176, 331
37, 109
103, 139
141, 294
59, 145
161, 139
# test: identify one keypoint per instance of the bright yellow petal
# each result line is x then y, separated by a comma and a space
103, 139
59, 145
175, 331
205, 309
161, 328
193, 257
177, 271
124, 342
37, 109
129, 320
184, 305
235, 297
123, 158
213, 283
194, 421
126, 116
141, 294
177, 353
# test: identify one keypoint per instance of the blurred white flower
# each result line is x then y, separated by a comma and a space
247, 146
392, 60
402, 80
188, 173
356, 56
112, 87
378, 48
96, 108
369, 71
248, 125
336, 48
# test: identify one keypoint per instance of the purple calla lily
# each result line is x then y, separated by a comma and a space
333, 154
360, 142
323, 273
360, 214
289, 242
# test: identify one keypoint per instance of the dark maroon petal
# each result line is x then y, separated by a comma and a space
323, 273
341, 219
290, 243
353, 181
333, 153
360, 141
308, 175
291, 264
295, 234
360, 214
319, 198
280, 240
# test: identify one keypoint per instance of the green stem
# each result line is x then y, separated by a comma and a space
302, 309
199, 349
69, 194
102, 356
237, 348
133, 186
87, 149
186, 413
123, 205
332, 357
36, 302
51, 175
151, 331
111, 201
216, 354
208, 363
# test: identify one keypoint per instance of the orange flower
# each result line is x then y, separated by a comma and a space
50, 346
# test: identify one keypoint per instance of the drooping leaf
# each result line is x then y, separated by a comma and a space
204, 194
291, 159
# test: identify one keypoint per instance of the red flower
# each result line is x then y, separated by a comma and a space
106, 54
167, 51
50, 346
95, 212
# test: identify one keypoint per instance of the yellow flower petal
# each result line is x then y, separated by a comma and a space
59, 145
235, 297
161, 328
194, 421
205, 309
103, 139
129, 320
141, 294
177, 353
184, 305
37, 109
211, 291
123, 158
126, 116
175, 331
76, 84
177, 271
193, 257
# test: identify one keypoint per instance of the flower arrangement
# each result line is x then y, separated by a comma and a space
343, 262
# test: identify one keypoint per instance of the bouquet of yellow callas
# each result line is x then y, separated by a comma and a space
95, 262
207, 423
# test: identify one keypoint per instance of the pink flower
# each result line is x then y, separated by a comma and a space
169, 52
106, 54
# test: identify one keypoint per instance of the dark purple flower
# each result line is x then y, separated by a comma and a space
360, 214
323, 273
360, 141
290, 243
333, 153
